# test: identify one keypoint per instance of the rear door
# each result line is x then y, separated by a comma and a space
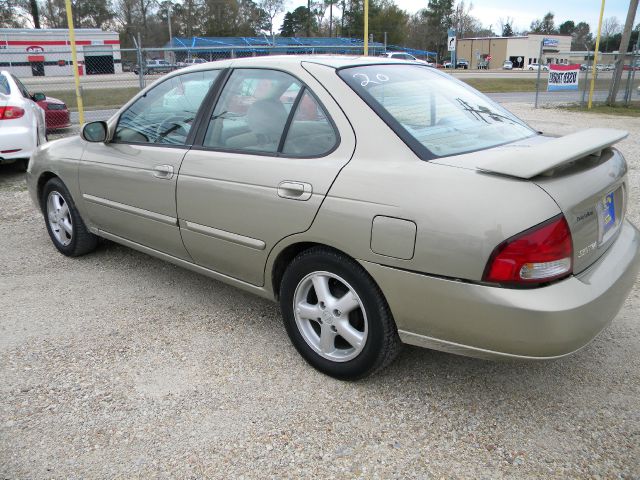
270, 151
129, 184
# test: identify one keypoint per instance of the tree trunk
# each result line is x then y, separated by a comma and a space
331, 19
624, 45
35, 14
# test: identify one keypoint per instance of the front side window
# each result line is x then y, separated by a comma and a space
434, 114
166, 113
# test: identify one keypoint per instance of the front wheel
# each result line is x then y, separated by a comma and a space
64, 224
336, 316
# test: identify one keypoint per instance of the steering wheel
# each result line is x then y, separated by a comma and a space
172, 125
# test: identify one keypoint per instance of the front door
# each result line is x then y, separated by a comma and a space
129, 184
267, 159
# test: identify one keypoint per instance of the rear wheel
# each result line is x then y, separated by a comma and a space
336, 316
64, 224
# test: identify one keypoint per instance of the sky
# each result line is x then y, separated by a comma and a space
523, 12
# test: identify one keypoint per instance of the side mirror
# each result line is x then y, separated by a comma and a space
95, 132
38, 97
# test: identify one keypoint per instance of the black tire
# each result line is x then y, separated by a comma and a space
82, 241
382, 343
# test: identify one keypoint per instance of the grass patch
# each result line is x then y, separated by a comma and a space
96, 99
508, 85
633, 110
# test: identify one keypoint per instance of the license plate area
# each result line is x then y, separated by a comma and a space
610, 211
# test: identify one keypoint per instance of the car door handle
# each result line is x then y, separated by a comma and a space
295, 190
163, 171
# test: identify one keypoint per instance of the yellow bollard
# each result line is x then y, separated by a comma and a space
595, 58
74, 57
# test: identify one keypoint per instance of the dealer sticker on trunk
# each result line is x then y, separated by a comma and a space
607, 219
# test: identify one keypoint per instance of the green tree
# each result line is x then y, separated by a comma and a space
545, 26
581, 38
507, 31
438, 20
295, 23
567, 27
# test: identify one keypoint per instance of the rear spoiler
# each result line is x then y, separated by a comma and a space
536, 159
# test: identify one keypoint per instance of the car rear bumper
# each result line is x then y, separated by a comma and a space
490, 322
57, 119
15, 138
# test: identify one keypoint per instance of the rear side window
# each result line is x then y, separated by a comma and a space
310, 133
4, 85
166, 113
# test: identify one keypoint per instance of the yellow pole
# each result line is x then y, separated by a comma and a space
595, 57
366, 28
74, 57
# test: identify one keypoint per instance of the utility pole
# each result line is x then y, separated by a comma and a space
366, 28
169, 22
624, 44
308, 18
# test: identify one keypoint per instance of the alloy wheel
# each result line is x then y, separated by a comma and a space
59, 218
330, 316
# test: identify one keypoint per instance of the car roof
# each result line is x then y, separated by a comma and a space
291, 61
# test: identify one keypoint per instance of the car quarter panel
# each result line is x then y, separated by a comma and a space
460, 215
488, 322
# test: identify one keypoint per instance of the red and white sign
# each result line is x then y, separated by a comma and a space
563, 77
34, 49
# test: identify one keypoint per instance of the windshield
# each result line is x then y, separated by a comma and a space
434, 114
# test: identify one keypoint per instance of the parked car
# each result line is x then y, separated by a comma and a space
462, 63
388, 203
56, 113
405, 56
536, 66
447, 64
155, 67
191, 61
507, 65
22, 121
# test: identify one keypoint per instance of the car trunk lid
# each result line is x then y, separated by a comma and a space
581, 172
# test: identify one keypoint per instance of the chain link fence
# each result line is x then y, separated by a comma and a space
109, 77
628, 93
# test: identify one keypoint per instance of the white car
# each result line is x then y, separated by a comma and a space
192, 61
22, 121
536, 66
405, 56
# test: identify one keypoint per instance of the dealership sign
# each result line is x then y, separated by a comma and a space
563, 77
550, 42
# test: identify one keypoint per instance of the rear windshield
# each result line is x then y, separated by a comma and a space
4, 85
433, 113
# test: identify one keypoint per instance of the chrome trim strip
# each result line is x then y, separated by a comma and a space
255, 289
466, 350
223, 235
158, 217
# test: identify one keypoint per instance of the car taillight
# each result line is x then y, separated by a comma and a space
9, 113
537, 255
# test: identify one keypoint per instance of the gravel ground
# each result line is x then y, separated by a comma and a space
120, 365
